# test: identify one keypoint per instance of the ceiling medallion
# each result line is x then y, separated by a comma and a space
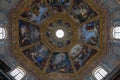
57, 38
59, 33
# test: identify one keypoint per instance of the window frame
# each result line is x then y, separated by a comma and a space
5, 34
17, 73
97, 73
112, 32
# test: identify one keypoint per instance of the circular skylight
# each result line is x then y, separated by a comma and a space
60, 33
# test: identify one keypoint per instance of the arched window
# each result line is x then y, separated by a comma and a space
18, 73
99, 73
2, 33
116, 32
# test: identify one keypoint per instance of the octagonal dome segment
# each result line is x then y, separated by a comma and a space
81, 11
38, 55
59, 63
59, 6
34, 26
28, 33
90, 33
37, 12
80, 54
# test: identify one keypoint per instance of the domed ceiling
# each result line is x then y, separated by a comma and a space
57, 38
